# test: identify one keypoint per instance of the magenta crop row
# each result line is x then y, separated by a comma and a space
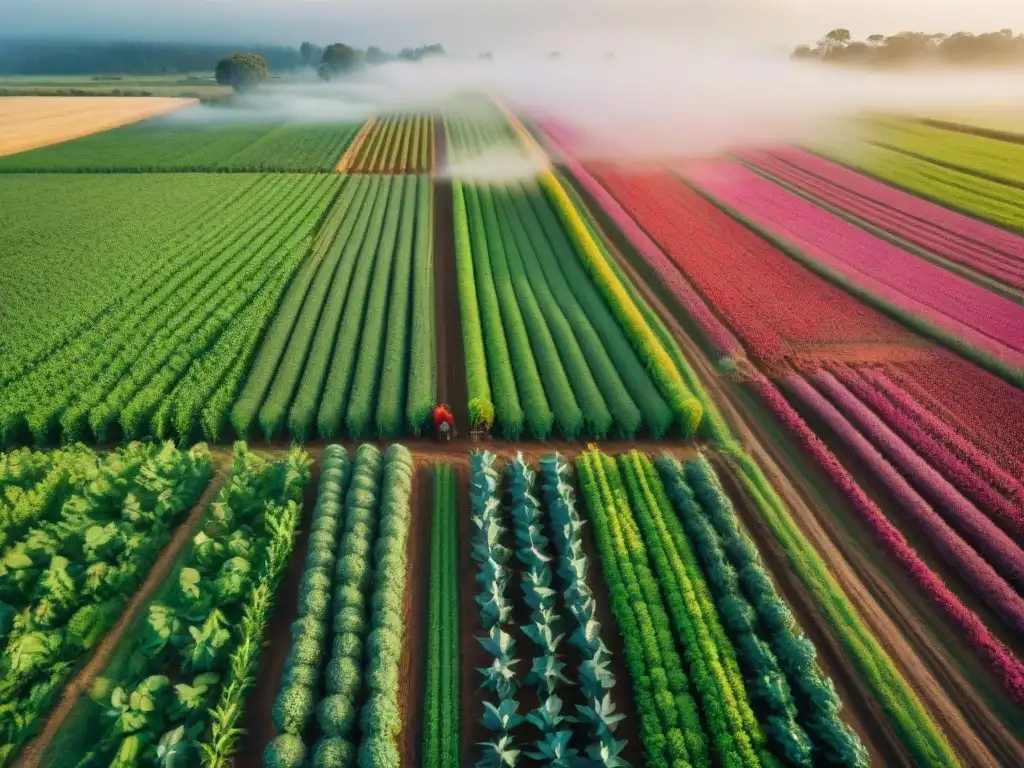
996, 655
897, 409
943, 298
977, 530
930, 226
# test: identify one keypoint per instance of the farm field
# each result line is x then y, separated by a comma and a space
734, 481
27, 122
209, 143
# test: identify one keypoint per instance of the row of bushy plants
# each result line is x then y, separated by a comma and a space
489, 529
380, 721
176, 692
670, 725
422, 389
708, 653
300, 687
594, 677
336, 712
794, 699
441, 695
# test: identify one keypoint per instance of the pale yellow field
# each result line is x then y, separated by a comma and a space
27, 122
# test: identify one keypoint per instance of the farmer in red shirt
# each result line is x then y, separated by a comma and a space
444, 422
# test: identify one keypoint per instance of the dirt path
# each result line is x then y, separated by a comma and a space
412, 666
277, 640
79, 684
451, 367
947, 694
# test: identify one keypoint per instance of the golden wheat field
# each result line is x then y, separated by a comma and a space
27, 122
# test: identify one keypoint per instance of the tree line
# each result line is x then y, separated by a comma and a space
960, 48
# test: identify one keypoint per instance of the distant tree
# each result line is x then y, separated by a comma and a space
486, 56
554, 55
338, 59
875, 40
835, 40
804, 52
375, 55
242, 71
310, 53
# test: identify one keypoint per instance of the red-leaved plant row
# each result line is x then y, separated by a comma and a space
960, 445
979, 533
929, 226
901, 413
717, 334
937, 296
999, 658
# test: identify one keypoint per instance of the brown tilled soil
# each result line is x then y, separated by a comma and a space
451, 369
412, 666
888, 606
33, 751
277, 641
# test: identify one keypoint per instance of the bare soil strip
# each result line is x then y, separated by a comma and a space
974, 731
277, 640
353, 149
29, 122
451, 362
79, 684
412, 666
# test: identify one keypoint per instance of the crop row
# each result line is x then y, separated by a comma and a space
176, 144
176, 686
773, 304
933, 297
542, 575
78, 534
396, 144
441, 696
476, 130
350, 347
992, 159
543, 347
966, 192
343, 661
930, 524
794, 702
976, 245
113, 376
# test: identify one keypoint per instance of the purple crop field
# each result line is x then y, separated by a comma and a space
980, 246
942, 298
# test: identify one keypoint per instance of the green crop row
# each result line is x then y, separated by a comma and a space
773, 651
350, 348
293, 708
670, 725
441, 696
537, 331
735, 734
177, 686
957, 189
78, 534
113, 374
397, 144
171, 144
380, 721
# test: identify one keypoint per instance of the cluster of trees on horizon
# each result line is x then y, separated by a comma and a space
338, 58
68, 57
912, 48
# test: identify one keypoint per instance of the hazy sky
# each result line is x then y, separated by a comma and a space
472, 25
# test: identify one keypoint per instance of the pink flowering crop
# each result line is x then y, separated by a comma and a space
719, 336
980, 246
957, 443
986, 583
897, 414
943, 298
977, 530
998, 657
